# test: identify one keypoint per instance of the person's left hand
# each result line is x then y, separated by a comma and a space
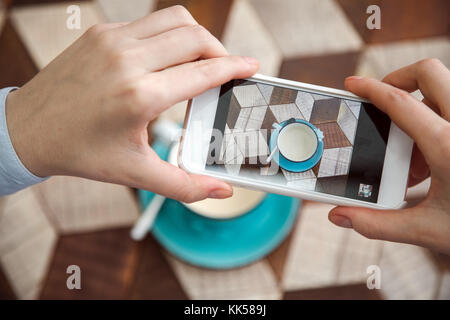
86, 114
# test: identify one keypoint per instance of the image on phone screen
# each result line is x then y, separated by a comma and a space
326, 144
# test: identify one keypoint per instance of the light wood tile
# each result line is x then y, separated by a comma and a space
379, 60
283, 112
358, 253
266, 91
347, 122
27, 241
249, 96
80, 205
305, 103
314, 255
408, 272
43, 29
444, 291
328, 163
259, 45
124, 11
308, 27
354, 106
256, 118
255, 281
175, 113
21, 218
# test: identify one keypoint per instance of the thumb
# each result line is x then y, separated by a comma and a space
172, 182
392, 225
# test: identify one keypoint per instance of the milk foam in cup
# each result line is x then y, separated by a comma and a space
297, 142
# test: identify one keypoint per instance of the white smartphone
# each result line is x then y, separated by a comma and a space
298, 140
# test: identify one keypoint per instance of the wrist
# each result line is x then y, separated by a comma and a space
25, 139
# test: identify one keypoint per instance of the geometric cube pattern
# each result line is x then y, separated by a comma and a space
255, 107
65, 221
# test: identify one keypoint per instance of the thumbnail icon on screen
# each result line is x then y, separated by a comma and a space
365, 190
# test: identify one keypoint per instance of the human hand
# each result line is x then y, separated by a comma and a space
86, 114
427, 123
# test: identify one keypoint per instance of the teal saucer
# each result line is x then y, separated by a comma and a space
222, 244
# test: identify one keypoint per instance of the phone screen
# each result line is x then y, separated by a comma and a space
299, 140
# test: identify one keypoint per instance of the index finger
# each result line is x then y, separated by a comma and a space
159, 22
431, 77
412, 116
191, 79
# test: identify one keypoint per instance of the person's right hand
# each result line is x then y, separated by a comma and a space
427, 123
86, 114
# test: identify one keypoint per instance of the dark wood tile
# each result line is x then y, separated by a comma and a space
154, 278
400, 19
333, 135
269, 120
6, 292
16, 65
325, 110
282, 96
107, 259
316, 168
234, 111
348, 292
328, 70
211, 14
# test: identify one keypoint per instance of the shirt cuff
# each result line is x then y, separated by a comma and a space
13, 174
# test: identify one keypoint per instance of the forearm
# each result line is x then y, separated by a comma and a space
13, 174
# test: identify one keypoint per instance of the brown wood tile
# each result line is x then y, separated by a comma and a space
325, 110
327, 70
333, 136
400, 19
107, 260
269, 120
347, 292
211, 14
16, 65
282, 96
154, 278
233, 113
316, 168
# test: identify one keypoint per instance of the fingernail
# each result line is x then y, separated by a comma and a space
353, 78
220, 194
251, 60
341, 221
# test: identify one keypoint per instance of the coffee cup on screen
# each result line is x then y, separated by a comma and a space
297, 140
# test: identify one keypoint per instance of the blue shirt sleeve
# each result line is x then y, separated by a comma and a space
13, 174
